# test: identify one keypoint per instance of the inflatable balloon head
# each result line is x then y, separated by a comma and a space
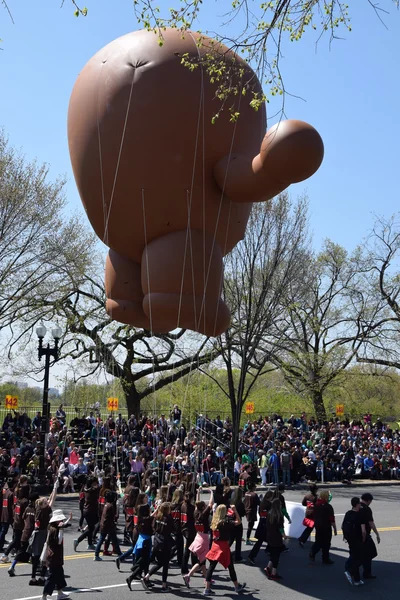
165, 188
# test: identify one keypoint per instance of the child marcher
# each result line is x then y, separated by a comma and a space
201, 544
324, 522
108, 526
143, 545
55, 556
162, 527
274, 535
220, 551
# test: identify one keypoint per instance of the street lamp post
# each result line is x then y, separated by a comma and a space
47, 352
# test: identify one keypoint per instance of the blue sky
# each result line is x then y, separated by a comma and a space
351, 92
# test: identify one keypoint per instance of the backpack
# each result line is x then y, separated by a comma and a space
349, 528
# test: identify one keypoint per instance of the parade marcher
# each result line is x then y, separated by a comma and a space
274, 536
90, 512
21, 502
7, 511
142, 549
176, 504
261, 531
369, 549
162, 544
201, 544
55, 556
324, 522
42, 519
308, 501
28, 528
354, 533
187, 528
237, 531
251, 503
108, 526
220, 550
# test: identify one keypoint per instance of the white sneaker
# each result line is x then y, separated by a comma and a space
349, 577
359, 582
62, 596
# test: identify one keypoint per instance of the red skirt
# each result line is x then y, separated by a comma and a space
308, 522
221, 552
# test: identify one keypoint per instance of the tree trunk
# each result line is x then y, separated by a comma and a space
318, 402
132, 399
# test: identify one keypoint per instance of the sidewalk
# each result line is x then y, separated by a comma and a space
338, 484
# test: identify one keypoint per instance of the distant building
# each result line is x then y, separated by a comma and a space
54, 392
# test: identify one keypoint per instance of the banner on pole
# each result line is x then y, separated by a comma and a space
11, 402
112, 404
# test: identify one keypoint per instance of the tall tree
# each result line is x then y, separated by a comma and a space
380, 261
32, 228
323, 323
258, 272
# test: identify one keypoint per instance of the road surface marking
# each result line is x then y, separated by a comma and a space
80, 590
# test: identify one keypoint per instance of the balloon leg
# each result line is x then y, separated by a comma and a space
124, 291
182, 275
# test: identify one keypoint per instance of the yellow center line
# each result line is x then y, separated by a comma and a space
69, 557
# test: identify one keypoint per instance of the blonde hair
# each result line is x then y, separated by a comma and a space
324, 495
219, 516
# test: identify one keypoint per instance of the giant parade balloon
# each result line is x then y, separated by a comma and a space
167, 187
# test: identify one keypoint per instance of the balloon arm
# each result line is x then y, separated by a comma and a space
291, 151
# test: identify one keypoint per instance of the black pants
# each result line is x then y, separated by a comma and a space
35, 563
142, 562
274, 556
161, 556
369, 553
322, 542
353, 563
306, 534
185, 560
3, 532
22, 555
211, 569
250, 525
91, 521
256, 549
178, 537
238, 534
55, 581
15, 542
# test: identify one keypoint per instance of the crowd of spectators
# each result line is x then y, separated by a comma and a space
269, 449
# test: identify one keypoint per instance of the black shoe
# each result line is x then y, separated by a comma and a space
239, 560
251, 560
40, 581
33, 582
301, 544
312, 557
118, 563
128, 583
369, 577
328, 562
145, 584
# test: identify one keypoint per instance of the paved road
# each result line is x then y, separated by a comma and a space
301, 578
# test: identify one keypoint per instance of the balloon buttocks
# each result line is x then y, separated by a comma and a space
168, 191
